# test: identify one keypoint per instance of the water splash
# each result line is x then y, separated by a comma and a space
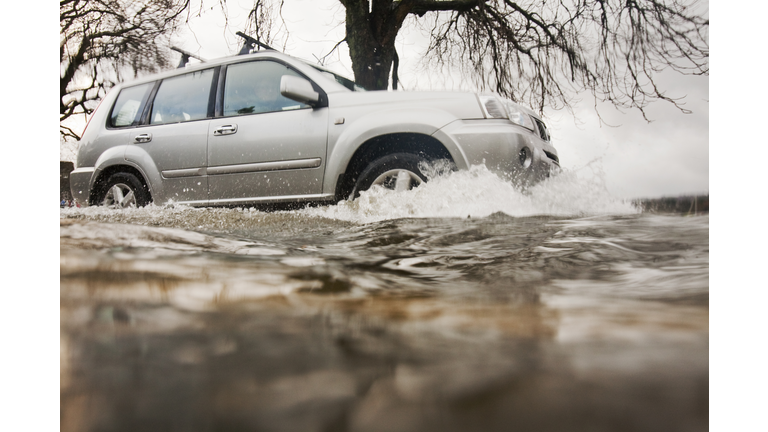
474, 193
478, 192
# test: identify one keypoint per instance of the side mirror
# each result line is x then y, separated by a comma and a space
298, 89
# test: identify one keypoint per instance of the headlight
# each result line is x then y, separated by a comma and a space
517, 116
492, 106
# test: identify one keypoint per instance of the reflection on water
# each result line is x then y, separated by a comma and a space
343, 318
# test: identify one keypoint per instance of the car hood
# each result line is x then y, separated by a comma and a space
463, 105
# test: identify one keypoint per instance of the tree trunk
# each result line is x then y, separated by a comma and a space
371, 39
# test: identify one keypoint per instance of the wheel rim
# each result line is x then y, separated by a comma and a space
398, 180
120, 196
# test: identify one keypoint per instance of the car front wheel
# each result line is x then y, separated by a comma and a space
398, 172
123, 190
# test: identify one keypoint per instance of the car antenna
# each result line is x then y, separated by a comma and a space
250, 43
185, 55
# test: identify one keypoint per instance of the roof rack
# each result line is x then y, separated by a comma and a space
185, 56
250, 43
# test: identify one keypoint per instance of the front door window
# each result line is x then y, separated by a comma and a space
254, 87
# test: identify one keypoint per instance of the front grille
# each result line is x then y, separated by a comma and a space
552, 156
543, 132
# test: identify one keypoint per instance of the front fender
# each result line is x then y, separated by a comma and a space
345, 139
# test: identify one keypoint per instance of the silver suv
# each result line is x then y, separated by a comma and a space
268, 128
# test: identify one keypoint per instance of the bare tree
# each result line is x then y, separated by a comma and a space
262, 22
540, 51
102, 39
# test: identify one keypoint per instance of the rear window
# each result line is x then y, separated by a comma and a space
129, 105
182, 98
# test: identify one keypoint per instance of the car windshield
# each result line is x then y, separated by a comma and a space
346, 82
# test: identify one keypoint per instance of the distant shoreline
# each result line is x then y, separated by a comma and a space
686, 204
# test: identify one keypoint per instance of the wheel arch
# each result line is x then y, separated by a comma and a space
382, 145
103, 175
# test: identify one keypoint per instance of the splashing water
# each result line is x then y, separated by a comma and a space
474, 193
478, 192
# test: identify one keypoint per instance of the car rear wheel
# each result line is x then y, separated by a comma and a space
398, 172
123, 190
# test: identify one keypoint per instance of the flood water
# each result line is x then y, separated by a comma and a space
462, 305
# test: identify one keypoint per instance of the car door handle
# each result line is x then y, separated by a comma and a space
143, 138
225, 130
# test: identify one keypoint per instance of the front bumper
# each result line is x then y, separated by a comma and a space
512, 152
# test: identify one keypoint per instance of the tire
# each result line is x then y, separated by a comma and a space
398, 171
123, 190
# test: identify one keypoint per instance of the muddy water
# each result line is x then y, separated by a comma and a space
462, 305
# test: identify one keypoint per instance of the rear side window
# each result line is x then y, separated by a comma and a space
254, 87
129, 105
182, 98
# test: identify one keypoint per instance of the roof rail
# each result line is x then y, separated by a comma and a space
250, 43
185, 55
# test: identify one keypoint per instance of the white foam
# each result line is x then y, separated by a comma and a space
479, 193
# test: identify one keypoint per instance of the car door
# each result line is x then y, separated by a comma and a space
175, 136
264, 146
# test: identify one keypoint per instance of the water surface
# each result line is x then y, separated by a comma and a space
462, 305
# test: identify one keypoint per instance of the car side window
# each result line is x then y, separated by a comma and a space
129, 105
254, 87
182, 98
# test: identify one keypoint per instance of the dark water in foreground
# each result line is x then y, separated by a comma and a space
228, 319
